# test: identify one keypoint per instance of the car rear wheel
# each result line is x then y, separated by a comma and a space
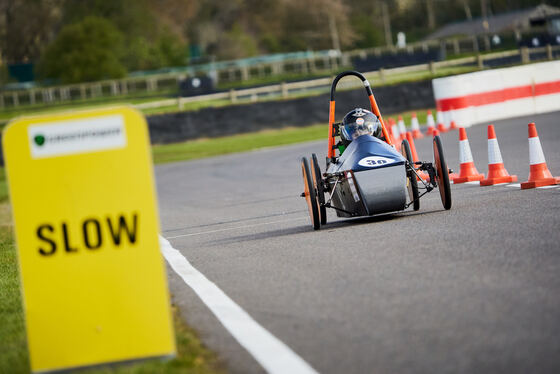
318, 184
442, 174
309, 194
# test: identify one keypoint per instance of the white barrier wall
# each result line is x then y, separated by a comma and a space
490, 95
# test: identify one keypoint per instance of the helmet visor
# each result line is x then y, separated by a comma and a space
361, 126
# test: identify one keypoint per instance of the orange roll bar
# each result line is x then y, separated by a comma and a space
375, 110
330, 153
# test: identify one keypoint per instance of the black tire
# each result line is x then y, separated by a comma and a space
412, 184
318, 183
442, 173
309, 194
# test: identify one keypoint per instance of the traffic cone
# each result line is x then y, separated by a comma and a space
421, 173
539, 175
467, 170
497, 172
396, 133
440, 124
416, 134
431, 123
402, 128
453, 125
390, 132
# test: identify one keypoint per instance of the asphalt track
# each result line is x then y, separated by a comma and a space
472, 290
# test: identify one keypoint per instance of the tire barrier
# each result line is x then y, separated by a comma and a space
498, 94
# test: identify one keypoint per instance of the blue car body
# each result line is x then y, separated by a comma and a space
374, 180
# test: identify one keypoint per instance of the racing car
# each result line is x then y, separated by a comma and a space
365, 174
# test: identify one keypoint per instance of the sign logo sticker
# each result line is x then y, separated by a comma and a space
77, 136
39, 140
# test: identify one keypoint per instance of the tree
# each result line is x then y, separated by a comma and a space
310, 24
156, 33
25, 27
4, 74
173, 51
236, 43
153, 30
167, 50
369, 34
85, 51
244, 27
132, 18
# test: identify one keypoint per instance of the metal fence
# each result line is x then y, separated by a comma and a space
308, 63
287, 90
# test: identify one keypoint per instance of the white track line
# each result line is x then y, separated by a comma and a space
273, 355
518, 185
236, 228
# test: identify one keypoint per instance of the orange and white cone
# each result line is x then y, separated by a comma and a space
467, 170
497, 172
390, 132
539, 175
421, 173
416, 134
440, 125
453, 124
402, 128
396, 133
431, 123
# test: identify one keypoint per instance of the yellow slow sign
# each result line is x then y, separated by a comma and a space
93, 278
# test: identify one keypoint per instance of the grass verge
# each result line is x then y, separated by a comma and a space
236, 143
13, 348
202, 148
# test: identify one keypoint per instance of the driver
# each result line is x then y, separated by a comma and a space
359, 122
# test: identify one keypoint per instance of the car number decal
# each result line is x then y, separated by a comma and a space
374, 161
